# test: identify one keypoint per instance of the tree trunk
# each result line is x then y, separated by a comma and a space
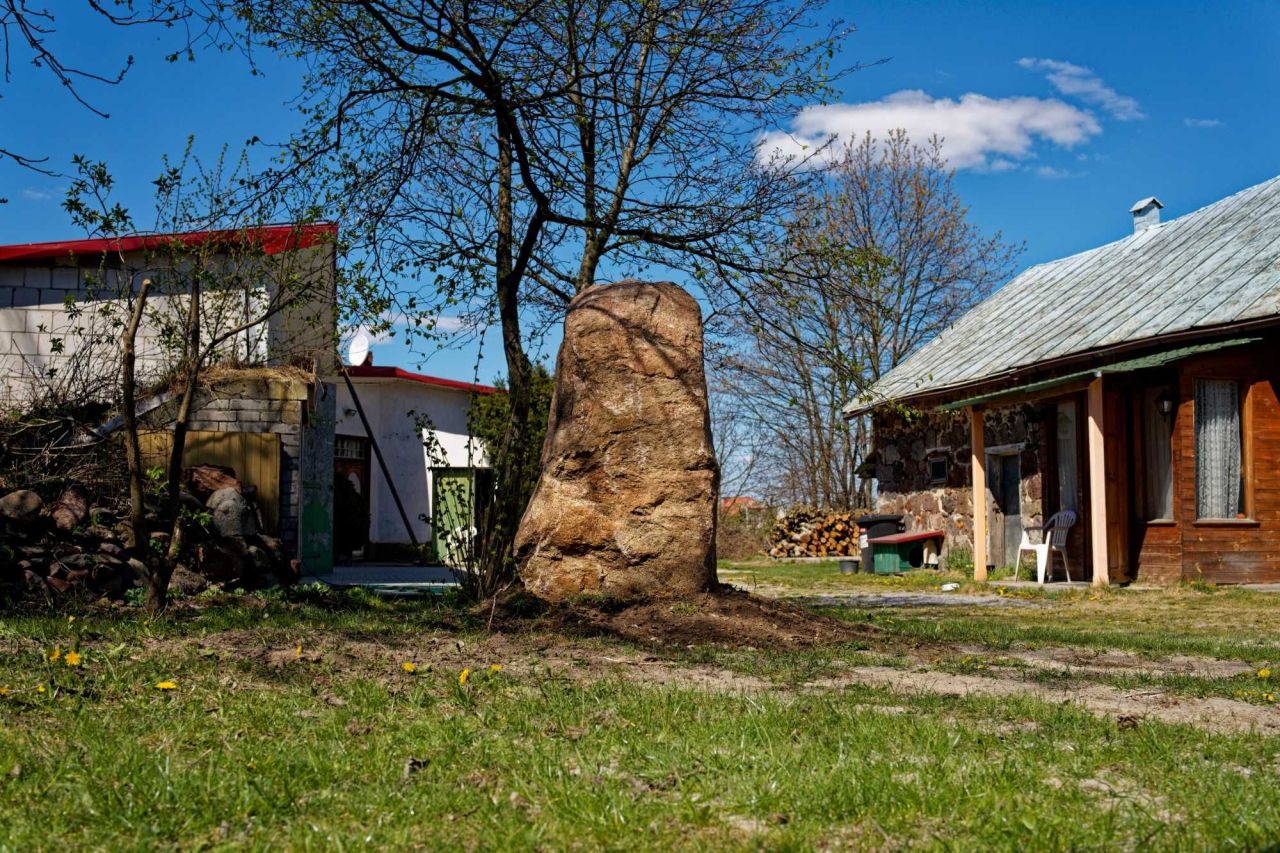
495, 564
155, 578
191, 381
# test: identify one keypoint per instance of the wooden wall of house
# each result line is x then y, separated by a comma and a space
1248, 551
1243, 550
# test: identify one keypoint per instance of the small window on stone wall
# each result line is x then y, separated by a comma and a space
938, 469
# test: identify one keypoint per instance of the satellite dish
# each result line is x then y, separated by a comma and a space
358, 350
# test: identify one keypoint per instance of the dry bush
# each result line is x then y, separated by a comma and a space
742, 536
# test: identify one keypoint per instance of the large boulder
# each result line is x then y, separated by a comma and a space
21, 508
233, 513
625, 504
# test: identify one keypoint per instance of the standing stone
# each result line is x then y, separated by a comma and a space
625, 505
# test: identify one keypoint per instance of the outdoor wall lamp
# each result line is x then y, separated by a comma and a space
1165, 402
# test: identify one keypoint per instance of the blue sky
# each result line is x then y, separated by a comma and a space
1059, 116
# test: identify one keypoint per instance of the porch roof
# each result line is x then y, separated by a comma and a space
1206, 273
1156, 359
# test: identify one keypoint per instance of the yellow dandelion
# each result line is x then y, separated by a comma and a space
463, 676
71, 659
496, 667
4, 691
40, 688
70, 619
166, 685
409, 667
297, 653
55, 654
1264, 673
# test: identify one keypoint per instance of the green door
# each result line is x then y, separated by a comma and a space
452, 514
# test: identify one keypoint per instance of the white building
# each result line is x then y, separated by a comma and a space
63, 304
420, 424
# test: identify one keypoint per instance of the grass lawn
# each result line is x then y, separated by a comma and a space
293, 722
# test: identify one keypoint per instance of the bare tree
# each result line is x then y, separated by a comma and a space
509, 150
879, 261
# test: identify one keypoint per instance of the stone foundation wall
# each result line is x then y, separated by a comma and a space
904, 444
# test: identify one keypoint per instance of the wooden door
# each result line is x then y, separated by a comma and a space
1004, 480
350, 494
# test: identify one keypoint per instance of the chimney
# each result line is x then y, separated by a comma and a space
1145, 214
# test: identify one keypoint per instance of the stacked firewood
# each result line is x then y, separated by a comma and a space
806, 532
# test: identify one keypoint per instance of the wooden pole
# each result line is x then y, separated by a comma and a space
978, 443
1097, 487
382, 463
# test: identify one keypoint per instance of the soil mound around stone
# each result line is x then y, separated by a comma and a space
726, 617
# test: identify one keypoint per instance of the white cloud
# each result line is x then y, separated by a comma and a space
395, 324
36, 195
1079, 82
978, 132
1054, 172
1202, 122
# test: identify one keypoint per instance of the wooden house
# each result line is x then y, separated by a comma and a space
1136, 384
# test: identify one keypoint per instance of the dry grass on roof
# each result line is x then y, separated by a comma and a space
223, 374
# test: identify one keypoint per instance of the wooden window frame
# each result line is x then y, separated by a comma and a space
1247, 505
946, 469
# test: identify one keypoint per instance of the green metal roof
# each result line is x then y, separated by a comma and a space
1145, 362
1207, 270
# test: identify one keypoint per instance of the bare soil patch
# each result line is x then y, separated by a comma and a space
727, 617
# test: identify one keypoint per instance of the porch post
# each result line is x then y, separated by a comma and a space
1097, 487
977, 441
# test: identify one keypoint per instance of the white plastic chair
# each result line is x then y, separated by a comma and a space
1053, 537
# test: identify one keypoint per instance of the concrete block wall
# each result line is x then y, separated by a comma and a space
61, 320
56, 328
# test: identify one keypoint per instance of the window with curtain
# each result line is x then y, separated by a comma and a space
1219, 451
1157, 456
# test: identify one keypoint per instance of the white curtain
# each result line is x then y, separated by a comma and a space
1217, 415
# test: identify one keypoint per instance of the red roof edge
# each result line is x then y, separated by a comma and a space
274, 239
378, 372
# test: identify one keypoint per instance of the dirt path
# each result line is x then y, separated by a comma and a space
1096, 662
1211, 714
536, 657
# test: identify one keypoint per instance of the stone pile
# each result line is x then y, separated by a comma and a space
69, 546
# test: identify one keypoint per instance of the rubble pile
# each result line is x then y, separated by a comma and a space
71, 545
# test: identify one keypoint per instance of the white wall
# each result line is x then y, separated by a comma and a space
61, 322
389, 404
